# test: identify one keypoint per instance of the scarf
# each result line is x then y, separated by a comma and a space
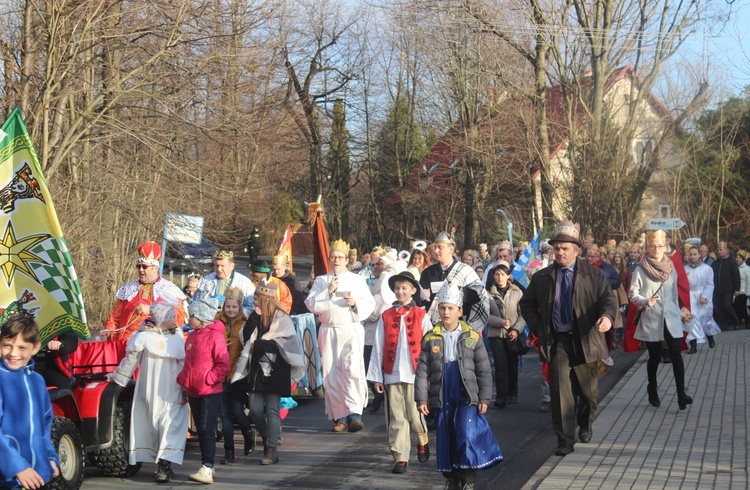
657, 270
283, 333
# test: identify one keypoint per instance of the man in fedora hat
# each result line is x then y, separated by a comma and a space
569, 305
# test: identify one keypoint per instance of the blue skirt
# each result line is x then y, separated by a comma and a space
464, 438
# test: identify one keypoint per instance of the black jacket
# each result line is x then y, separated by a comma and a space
726, 275
278, 379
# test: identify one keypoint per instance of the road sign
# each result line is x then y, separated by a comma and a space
665, 224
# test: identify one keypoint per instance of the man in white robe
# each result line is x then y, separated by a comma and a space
342, 300
159, 415
701, 279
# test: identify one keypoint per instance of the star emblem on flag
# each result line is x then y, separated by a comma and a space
16, 253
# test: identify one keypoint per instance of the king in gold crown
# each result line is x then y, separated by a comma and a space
340, 246
224, 254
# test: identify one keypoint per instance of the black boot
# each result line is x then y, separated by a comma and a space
711, 341
164, 473
683, 399
653, 395
249, 441
228, 456
693, 347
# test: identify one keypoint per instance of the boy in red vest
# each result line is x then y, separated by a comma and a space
393, 365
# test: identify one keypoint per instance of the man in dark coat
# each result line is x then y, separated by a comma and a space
569, 305
726, 287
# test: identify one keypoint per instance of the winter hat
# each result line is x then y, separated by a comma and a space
204, 309
161, 312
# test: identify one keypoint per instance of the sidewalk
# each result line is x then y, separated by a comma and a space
641, 447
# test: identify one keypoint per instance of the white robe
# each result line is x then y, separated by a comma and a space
701, 281
341, 340
158, 423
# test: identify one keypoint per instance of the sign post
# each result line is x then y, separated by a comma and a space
181, 228
665, 224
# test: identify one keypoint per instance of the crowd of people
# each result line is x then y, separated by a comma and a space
428, 332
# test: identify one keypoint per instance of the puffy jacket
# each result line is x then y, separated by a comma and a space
473, 364
206, 360
610, 274
25, 422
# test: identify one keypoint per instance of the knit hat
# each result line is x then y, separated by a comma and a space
204, 309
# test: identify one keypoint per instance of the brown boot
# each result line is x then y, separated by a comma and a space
269, 456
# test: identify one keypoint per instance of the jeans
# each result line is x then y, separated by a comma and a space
205, 414
232, 410
264, 408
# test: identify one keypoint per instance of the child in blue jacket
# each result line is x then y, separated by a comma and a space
27, 457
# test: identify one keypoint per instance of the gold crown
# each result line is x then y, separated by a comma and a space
504, 245
281, 259
266, 289
340, 246
658, 237
723, 245
234, 293
353, 252
223, 254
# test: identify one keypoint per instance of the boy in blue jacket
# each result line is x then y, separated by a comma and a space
27, 457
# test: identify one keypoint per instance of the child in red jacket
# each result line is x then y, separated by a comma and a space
206, 366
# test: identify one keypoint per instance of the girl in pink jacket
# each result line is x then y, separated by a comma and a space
206, 365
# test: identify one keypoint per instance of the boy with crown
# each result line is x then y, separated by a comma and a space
393, 366
342, 300
134, 298
454, 379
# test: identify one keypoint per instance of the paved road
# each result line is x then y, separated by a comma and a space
313, 457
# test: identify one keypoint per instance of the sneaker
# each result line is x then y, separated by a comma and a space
356, 426
203, 475
399, 467
339, 427
423, 453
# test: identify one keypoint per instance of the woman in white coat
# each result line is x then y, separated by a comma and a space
654, 291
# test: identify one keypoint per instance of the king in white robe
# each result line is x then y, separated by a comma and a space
159, 419
341, 340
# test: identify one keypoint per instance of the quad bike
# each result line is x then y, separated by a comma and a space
92, 420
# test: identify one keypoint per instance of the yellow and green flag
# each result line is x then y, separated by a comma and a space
37, 277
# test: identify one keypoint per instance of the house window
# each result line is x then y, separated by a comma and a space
665, 211
642, 150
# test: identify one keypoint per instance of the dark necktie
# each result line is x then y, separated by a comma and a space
565, 297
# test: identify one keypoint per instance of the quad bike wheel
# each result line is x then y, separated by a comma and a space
68, 442
113, 461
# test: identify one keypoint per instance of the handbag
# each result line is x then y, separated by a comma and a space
518, 346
